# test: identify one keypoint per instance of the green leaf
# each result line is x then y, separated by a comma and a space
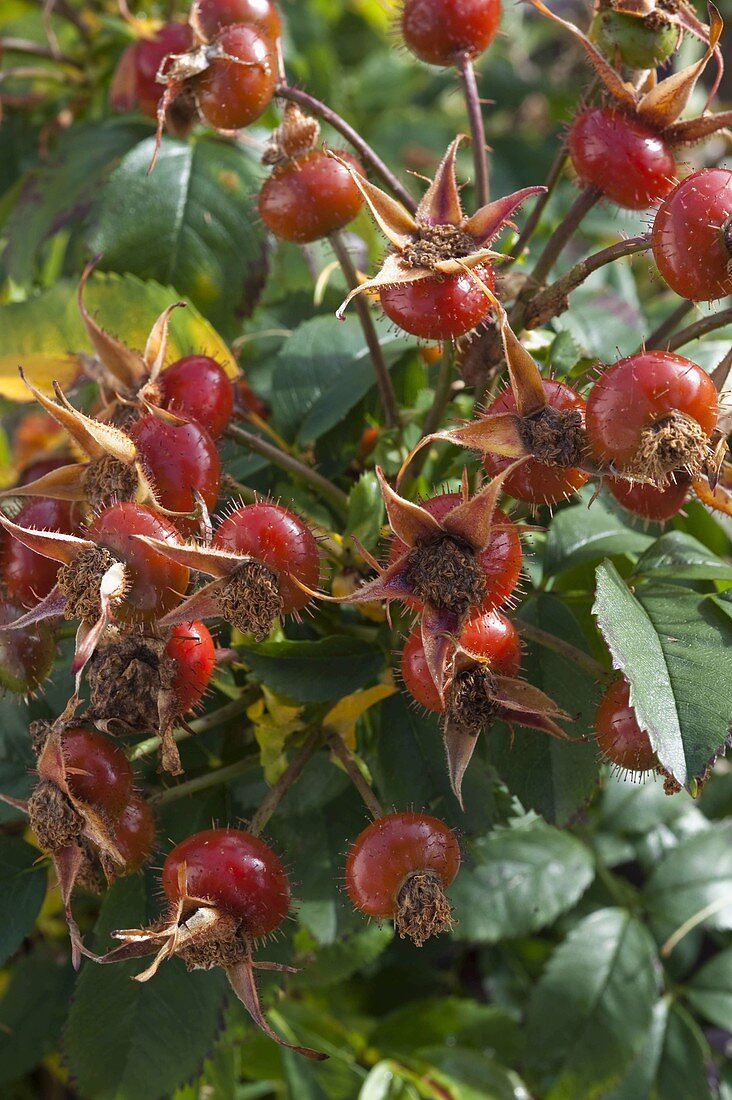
334, 962
190, 224
681, 557
365, 510
469, 1075
710, 990
444, 1021
635, 809
61, 191
581, 533
322, 370
517, 881
592, 1008
16, 757
694, 876
22, 890
129, 1039
311, 672
684, 1062
675, 648
549, 776
32, 1012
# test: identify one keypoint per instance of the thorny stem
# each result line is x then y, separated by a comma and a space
553, 298
571, 221
383, 378
311, 477
571, 652
555, 174
204, 782
659, 335
292, 773
367, 154
199, 725
699, 328
477, 129
439, 404
341, 750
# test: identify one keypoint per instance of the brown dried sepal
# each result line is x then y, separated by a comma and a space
446, 573
555, 437
53, 818
422, 909
296, 135
108, 480
250, 599
675, 442
222, 943
79, 582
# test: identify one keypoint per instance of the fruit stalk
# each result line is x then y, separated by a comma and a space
477, 130
341, 750
290, 775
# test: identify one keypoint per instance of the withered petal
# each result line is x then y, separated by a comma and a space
394, 220
49, 544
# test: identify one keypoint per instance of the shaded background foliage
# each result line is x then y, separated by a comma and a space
560, 980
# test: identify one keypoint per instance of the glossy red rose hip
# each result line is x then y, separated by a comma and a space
236, 872
630, 163
197, 388
134, 834
649, 502
97, 771
235, 89
309, 197
28, 576
211, 16
619, 736
439, 308
134, 83
692, 236
192, 648
439, 31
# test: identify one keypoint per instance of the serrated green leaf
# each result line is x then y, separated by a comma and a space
190, 224
129, 1039
582, 533
694, 876
681, 557
365, 510
22, 890
516, 881
592, 1008
336, 961
445, 1021
710, 990
675, 648
32, 1011
684, 1062
631, 808
310, 672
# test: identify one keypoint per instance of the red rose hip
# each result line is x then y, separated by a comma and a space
692, 236
97, 771
197, 388
440, 308
619, 736
309, 197
440, 31
235, 89
211, 16
630, 163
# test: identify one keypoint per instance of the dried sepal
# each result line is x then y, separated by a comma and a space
125, 366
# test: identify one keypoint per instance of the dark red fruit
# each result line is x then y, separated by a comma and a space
500, 561
42, 467
192, 648
399, 867
439, 308
634, 398
134, 834
692, 236
179, 458
234, 90
630, 163
212, 16
134, 83
489, 635
278, 539
154, 583
439, 31
619, 736
28, 576
197, 388
649, 502
27, 655
97, 771
309, 197
535, 482
234, 871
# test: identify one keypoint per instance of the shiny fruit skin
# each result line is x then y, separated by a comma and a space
28, 576
619, 736
309, 197
631, 41
134, 834
198, 388
97, 771
212, 16
691, 244
500, 561
488, 634
649, 502
438, 308
179, 458
134, 83
278, 539
192, 648
630, 163
391, 848
439, 31
155, 584
640, 389
232, 94
27, 655
534, 482
237, 872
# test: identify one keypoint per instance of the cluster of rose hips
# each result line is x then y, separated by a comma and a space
111, 541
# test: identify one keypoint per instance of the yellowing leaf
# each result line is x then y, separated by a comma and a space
342, 718
40, 369
274, 724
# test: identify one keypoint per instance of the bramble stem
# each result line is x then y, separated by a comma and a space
571, 221
204, 782
477, 130
367, 154
552, 301
341, 750
659, 335
199, 725
383, 378
555, 174
292, 773
293, 465
565, 649
699, 328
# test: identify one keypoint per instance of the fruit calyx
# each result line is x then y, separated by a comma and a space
446, 573
296, 135
422, 909
555, 437
80, 582
673, 443
250, 599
